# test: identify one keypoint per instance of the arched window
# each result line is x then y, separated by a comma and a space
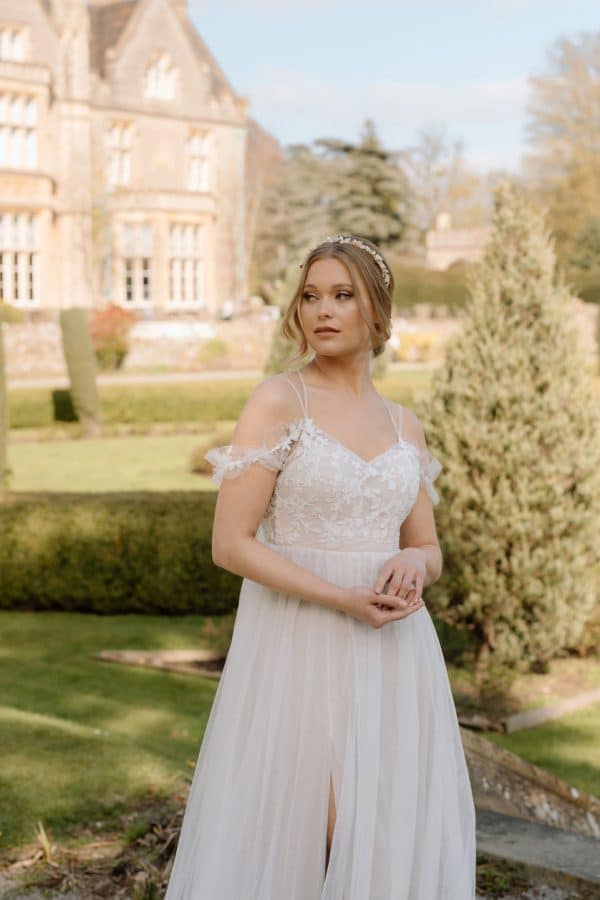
19, 259
18, 131
186, 265
198, 147
161, 78
12, 42
119, 140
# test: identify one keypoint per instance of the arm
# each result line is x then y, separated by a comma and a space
420, 558
243, 500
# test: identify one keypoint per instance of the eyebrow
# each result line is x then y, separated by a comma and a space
345, 284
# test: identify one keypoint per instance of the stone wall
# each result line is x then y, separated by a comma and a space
34, 349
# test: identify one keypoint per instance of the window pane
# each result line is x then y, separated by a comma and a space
31, 112
146, 239
129, 280
146, 279
199, 276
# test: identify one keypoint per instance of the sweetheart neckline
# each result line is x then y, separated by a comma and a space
366, 462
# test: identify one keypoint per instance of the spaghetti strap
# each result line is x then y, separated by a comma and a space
304, 391
397, 424
303, 403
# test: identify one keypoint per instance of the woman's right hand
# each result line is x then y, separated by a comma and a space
364, 604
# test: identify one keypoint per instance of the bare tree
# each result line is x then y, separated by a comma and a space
563, 130
442, 181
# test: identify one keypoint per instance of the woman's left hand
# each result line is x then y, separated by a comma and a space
405, 572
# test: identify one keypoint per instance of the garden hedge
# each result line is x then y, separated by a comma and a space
419, 285
140, 552
140, 404
206, 402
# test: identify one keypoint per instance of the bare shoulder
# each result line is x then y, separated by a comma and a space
412, 427
271, 402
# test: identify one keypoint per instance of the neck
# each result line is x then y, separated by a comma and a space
350, 374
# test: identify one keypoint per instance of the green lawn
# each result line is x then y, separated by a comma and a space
147, 462
569, 747
81, 739
140, 462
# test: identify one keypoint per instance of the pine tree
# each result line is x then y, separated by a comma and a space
514, 420
371, 196
293, 216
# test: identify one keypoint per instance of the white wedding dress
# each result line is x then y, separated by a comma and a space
308, 693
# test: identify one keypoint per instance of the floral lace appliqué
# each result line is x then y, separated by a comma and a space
230, 460
325, 495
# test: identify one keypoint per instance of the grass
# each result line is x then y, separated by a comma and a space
569, 747
156, 463
140, 462
83, 740
80, 739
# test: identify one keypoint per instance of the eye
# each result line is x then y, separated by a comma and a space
307, 296
344, 294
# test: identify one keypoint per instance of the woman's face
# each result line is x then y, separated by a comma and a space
328, 301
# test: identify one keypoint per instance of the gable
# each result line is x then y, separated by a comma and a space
136, 31
35, 16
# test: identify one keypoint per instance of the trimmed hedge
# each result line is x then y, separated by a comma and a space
585, 283
148, 404
419, 285
141, 404
112, 553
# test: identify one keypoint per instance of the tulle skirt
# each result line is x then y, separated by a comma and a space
307, 695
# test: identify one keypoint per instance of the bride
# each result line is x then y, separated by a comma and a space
331, 766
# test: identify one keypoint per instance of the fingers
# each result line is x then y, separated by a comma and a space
392, 607
400, 583
383, 616
382, 577
419, 582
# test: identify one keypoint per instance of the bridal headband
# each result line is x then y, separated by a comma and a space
347, 239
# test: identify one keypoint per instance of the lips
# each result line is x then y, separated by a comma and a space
326, 331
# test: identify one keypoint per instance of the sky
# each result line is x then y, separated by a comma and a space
319, 68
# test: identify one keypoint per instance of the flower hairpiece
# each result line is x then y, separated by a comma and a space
348, 239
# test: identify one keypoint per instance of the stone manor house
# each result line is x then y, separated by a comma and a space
130, 169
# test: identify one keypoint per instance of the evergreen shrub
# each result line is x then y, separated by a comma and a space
142, 552
81, 365
513, 416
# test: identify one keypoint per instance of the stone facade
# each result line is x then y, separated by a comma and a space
129, 167
445, 245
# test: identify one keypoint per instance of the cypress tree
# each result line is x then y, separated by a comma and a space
81, 365
8, 313
514, 419
3, 416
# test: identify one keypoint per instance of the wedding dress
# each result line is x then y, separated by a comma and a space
309, 694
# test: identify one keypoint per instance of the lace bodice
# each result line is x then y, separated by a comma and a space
326, 495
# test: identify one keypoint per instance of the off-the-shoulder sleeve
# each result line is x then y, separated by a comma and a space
430, 468
230, 460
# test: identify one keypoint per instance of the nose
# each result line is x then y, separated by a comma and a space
323, 306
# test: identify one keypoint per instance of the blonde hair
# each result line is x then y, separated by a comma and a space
361, 264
